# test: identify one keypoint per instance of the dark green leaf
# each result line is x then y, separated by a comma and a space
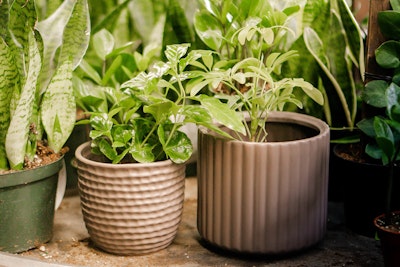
388, 54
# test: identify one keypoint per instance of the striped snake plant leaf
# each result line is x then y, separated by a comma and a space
18, 131
63, 29
58, 108
8, 81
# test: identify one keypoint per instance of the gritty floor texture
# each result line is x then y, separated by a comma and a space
71, 245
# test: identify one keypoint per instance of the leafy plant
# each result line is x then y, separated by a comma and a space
385, 94
146, 113
37, 61
245, 71
312, 28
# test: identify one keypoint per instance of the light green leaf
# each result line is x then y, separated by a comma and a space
17, 135
59, 108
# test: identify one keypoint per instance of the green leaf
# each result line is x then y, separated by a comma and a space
388, 21
58, 107
17, 135
209, 30
103, 43
176, 144
388, 54
8, 81
222, 113
142, 153
374, 93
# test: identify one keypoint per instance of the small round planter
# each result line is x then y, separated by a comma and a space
27, 204
267, 198
130, 209
390, 243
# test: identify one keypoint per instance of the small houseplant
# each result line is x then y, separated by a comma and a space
37, 114
137, 141
384, 130
252, 188
362, 206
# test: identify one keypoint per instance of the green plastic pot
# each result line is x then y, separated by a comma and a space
27, 204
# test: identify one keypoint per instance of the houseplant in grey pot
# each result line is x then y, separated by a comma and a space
37, 115
131, 174
260, 193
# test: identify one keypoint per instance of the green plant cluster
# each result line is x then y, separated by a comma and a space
384, 93
37, 59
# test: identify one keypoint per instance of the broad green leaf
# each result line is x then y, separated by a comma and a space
52, 30
142, 153
388, 54
76, 35
176, 144
103, 43
222, 113
388, 21
58, 107
160, 111
17, 135
374, 93
209, 30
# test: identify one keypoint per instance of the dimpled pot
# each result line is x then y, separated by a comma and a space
267, 198
130, 209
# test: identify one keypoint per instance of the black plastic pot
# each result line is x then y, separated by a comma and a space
27, 204
390, 243
365, 189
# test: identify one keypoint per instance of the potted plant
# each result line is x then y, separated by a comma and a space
255, 192
37, 114
131, 174
384, 132
362, 206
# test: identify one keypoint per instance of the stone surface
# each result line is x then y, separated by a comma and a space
71, 245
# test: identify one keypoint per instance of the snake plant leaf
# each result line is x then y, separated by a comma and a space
60, 30
8, 81
58, 107
4, 17
17, 135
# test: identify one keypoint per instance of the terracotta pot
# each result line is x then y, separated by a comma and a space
390, 243
265, 197
130, 209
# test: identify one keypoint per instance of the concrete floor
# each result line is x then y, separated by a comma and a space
71, 245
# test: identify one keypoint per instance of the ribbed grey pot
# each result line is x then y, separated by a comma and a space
268, 198
130, 209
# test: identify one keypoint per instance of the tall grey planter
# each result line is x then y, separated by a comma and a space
270, 197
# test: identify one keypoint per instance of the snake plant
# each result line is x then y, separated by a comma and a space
37, 59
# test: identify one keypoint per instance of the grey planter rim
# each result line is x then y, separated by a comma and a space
285, 117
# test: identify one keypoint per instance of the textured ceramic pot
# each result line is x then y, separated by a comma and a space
27, 204
268, 198
130, 209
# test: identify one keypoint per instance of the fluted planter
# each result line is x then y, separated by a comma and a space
130, 209
268, 198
